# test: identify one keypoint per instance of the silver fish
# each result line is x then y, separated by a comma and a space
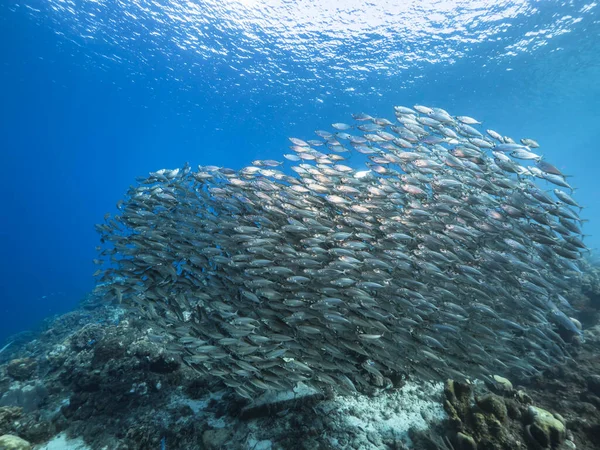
441, 255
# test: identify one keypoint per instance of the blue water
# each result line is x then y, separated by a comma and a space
96, 93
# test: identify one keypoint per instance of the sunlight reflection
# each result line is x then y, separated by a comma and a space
340, 39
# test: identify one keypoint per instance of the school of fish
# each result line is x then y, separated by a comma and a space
447, 253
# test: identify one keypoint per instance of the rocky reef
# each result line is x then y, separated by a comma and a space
102, 378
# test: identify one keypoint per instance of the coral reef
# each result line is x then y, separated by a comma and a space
487, 421
100, 377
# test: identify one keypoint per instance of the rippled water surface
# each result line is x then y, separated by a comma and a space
312, 43
99, 92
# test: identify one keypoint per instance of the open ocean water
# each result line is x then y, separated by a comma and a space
96, 93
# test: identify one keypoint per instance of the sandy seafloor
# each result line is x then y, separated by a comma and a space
100, 378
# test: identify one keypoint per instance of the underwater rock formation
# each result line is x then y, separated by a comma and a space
136, 399
499, 422
10, 442
22, 369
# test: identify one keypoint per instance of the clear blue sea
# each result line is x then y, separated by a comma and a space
96, 93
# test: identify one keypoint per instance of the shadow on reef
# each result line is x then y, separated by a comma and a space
102, 375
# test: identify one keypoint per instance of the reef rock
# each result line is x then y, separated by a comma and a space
480, 420
593, 383
502, 384
8, 415
215, 439
10, 442
28, 397
546, 429
22, 369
